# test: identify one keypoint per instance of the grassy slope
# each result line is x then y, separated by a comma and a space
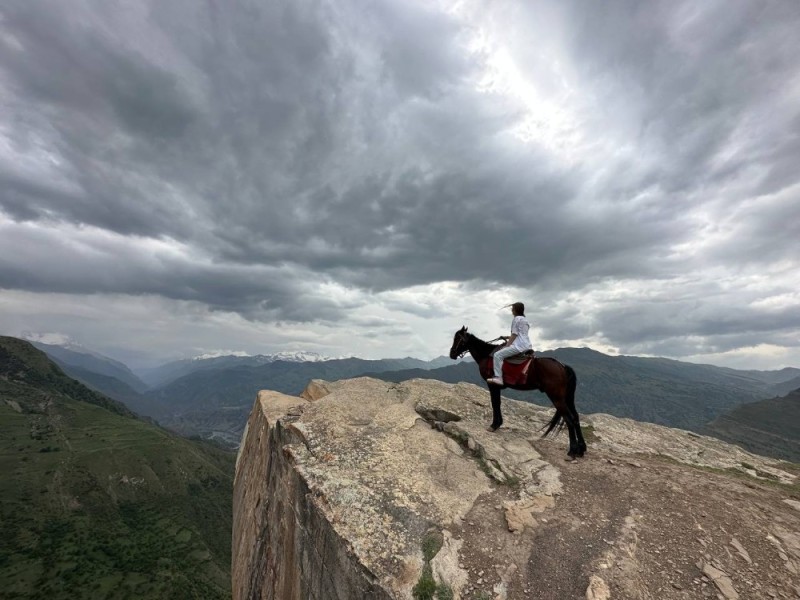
111, 387
97, 504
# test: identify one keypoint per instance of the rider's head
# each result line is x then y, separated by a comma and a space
518, 309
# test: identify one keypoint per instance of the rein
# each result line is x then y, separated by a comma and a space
465, 339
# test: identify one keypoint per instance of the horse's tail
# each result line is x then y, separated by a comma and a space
557, 422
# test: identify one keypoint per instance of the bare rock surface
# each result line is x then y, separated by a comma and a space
339, 493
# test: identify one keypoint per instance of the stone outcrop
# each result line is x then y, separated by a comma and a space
368, 489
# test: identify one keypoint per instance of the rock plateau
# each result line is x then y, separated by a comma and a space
367, 489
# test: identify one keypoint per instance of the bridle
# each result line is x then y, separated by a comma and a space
461, 338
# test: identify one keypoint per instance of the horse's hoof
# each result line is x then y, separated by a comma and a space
570, 458
491, 429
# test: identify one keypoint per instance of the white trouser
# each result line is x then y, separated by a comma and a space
500, 356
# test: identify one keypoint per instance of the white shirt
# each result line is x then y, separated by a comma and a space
520, 326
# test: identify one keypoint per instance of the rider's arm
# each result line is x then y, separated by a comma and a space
511, 339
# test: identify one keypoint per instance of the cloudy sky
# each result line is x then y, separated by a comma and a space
362, 178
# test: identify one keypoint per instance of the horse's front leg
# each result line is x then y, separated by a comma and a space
497, 416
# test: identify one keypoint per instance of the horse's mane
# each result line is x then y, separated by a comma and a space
482, 342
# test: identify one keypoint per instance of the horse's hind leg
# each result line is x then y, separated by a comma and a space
569, 418
581, 444
574, 446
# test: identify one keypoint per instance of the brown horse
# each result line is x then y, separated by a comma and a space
545, 374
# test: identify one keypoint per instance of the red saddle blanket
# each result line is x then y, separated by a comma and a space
514, 373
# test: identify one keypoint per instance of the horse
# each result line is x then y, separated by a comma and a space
556, 380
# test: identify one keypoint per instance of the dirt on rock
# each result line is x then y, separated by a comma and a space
646, 526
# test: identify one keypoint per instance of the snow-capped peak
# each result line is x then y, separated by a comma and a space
299, 356
220, 353
260, 359
62, 341
52, 339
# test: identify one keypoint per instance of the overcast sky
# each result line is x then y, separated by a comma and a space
362, 178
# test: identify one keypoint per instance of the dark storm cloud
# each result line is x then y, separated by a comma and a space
680, 319
690, 74
96, 263
284, 145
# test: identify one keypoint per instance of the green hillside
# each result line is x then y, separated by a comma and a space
111, 387
95, 503
769, 427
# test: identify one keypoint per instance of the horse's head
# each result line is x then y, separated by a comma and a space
460, 345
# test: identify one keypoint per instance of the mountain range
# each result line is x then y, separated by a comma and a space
163, 374
211, 396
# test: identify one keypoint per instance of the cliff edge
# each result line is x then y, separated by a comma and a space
367, 489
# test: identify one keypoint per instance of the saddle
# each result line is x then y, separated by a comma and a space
518, 359
515, 368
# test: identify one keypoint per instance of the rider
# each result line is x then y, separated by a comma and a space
517, 343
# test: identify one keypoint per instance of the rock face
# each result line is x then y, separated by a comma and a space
368, 489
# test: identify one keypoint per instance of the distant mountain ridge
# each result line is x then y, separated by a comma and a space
165, 374
82, 358
288, 356
770, 427
210, 396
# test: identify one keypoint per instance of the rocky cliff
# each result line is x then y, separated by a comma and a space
367, 489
